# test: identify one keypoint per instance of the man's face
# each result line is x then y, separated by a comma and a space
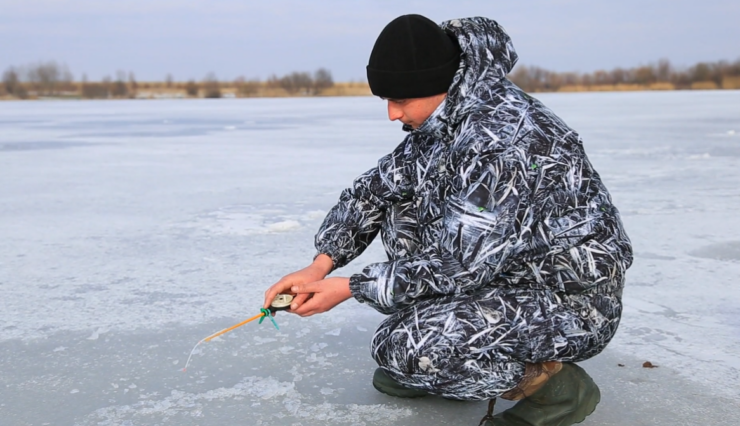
413, 111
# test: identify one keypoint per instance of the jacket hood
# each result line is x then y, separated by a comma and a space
487, 56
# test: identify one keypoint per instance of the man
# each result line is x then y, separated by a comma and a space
506, 255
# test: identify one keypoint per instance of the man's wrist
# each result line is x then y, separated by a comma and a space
323, 263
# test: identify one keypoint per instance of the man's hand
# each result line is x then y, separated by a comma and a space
316, 271
325, 295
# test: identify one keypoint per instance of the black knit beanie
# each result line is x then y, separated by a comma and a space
412, 58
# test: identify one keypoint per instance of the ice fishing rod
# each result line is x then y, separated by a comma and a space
279, 303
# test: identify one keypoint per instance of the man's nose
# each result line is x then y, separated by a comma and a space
394, 112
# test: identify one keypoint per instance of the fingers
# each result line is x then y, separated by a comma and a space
313, 287
310, 307
325, 295
304, 294
279, 287
269, 296
299, 300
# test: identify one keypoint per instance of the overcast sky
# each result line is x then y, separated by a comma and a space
190, 38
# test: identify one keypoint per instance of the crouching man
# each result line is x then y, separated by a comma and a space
506, 256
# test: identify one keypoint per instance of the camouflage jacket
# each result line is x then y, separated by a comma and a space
493, 189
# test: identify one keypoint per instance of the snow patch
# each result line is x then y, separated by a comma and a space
315, 214
704, 156
284, 226
244, 221
96, 334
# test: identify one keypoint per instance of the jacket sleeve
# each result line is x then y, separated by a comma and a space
352, 224
479, 225
530, 215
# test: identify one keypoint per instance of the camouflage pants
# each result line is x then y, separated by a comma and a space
474, 347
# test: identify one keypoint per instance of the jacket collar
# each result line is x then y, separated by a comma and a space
435, 125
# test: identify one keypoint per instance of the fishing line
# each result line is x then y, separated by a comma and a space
281, 302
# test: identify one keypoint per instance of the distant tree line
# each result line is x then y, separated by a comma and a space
48, 79
303, 82
55, 79
52, 79
296, 83
44, 78
704, 75
123, 86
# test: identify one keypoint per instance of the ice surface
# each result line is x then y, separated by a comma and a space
130, 230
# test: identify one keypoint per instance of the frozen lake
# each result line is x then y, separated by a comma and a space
129, 230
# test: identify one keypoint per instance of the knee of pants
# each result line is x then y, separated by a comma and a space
449, 375
428, 339
406, 344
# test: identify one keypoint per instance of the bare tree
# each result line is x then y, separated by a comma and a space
168, 80
644, 75
297, 82
118, 88
322, 80
273, 81
93, 90
619, 76
133, 86
107, 84
211, 86
700, 72
664, 70
12, 83
601, 77
47, 77
734, 69
191, 88
535, 78
247, 88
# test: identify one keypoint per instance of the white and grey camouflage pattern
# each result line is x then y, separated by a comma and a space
504, 246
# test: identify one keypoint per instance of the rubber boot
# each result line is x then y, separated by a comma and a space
568, 397
383, 383
535, 376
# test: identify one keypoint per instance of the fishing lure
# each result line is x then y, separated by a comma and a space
280, 303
